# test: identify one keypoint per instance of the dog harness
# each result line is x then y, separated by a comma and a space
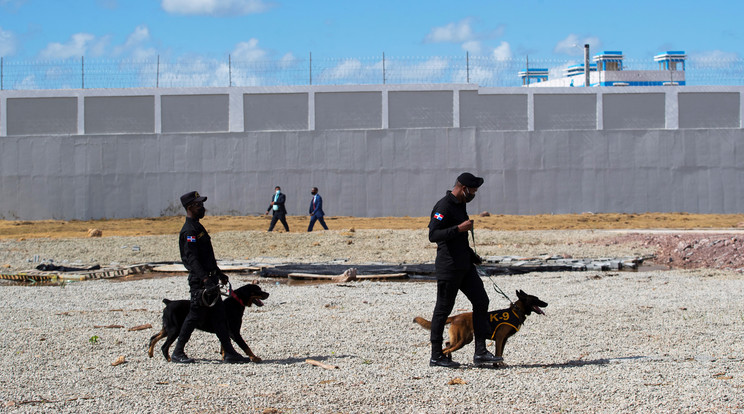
504, 317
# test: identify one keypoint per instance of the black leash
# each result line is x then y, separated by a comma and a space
483, 273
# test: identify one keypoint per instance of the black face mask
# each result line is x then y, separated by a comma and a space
313, 192
200, 212
468, 195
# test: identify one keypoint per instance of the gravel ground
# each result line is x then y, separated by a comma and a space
610, 342
662, 341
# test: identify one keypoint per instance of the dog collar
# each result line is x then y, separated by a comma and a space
235, 296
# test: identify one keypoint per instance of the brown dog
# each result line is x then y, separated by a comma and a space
175, 312
504, 323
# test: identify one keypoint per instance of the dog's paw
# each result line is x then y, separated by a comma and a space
255, 359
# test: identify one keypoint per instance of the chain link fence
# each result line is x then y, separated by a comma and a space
210, 72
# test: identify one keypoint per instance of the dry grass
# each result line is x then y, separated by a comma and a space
10, 229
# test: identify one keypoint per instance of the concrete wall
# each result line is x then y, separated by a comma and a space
372, 150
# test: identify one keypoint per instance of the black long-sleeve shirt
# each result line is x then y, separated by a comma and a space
197, 254
454, 254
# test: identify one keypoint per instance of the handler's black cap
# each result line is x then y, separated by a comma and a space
191, 197
469, 180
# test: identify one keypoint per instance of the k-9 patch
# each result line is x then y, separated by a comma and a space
439, 216
191, 239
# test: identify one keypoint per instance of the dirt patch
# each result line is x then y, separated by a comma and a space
14, 229
692, 250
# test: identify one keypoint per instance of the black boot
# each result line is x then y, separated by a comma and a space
483, 356
179, 356
438, 359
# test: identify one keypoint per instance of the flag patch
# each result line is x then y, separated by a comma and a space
190, 239
438, 216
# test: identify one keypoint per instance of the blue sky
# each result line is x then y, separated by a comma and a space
254, 30
54, 29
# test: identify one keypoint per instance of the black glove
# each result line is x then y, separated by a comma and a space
223, 278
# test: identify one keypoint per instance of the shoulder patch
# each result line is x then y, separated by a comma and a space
439, 216
191, 239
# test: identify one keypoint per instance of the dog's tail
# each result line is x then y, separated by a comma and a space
423, 322
166, 301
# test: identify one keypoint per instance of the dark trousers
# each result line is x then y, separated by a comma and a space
279, 217
472, 286
312, 222
215, 315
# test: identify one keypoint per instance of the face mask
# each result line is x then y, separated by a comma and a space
468, 195
200, 212
278, 191
313, 192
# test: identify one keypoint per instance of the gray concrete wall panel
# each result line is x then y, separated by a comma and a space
275, 111
565, 111
498, 112
348, 110
709, 110
420, 109
39, 116
119, 114
195, 113
633, 110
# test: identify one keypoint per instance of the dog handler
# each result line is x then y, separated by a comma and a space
198, 258
455, 269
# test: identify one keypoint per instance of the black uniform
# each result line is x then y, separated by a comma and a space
280, 214
198, 258
455, 270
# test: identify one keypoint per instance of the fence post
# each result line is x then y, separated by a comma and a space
82, 71
1, 73
229, 70
467, 66
157, 73
311, 68
383, 68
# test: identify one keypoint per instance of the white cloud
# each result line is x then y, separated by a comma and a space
472, 46
136, 45
287, 61
573, 45
215, 7
503, 51
459, 32
248, 51
8, 42
80, 44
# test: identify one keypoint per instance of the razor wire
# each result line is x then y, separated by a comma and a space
207, 71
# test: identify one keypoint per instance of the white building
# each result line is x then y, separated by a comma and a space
608, 71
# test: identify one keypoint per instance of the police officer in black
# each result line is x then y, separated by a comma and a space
455, 270
198, 258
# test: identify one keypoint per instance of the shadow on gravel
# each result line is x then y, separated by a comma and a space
568, 364
301, 360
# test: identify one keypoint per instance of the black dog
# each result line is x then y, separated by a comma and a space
175, 313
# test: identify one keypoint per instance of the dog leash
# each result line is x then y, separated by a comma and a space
483, 273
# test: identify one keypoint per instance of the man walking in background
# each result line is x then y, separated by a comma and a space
279, 213
316, 210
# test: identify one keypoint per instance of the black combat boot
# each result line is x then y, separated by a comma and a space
438, 359
483, 356
179, 356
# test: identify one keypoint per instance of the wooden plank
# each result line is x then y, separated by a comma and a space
330, 277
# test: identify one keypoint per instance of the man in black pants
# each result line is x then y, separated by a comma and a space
455, 270
198, 258
277, 209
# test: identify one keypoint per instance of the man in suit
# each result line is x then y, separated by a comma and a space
279, 213
316, 210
